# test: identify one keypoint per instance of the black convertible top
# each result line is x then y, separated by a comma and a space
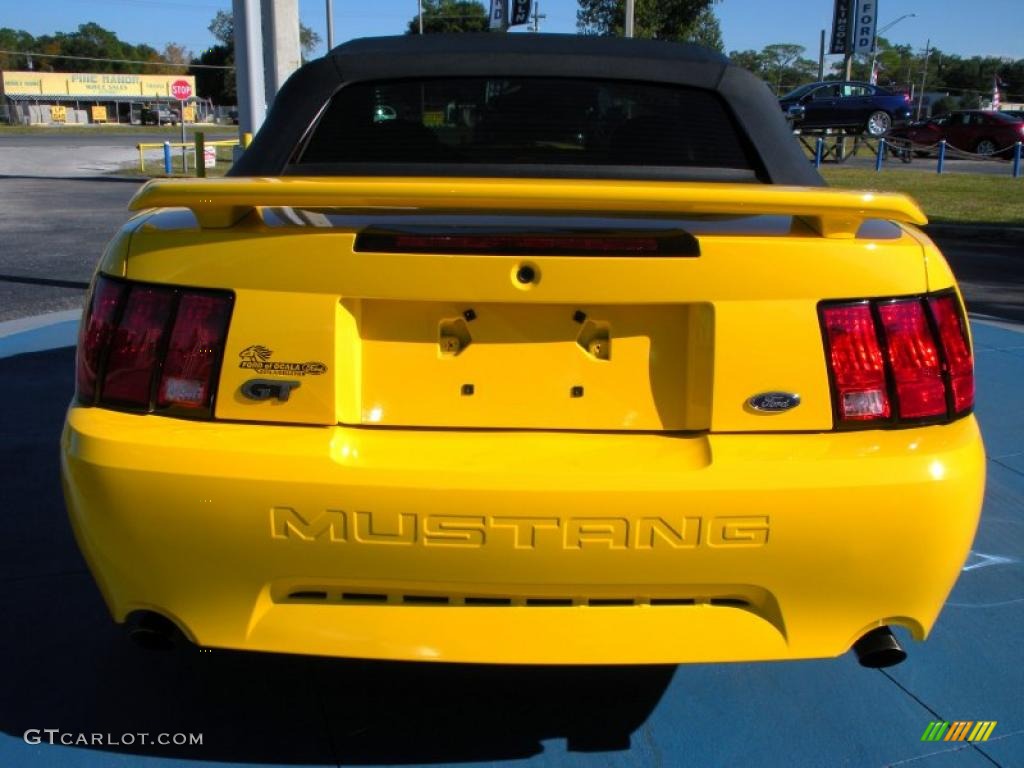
303, 96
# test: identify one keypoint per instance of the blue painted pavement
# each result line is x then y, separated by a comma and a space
64, 665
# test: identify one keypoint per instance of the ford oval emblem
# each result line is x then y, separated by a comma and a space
774, 402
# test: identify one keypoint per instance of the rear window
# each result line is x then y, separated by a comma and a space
526, 121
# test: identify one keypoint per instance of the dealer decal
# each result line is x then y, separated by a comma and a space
258, 358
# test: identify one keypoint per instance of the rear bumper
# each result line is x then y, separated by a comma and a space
549, 548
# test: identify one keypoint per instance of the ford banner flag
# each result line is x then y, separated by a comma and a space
499, 11
864, 27
520, 12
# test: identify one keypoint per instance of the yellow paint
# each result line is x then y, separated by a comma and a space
90, 85
729, 299
834, 213
776, 520
380, 476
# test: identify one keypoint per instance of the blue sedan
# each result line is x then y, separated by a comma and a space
859, 106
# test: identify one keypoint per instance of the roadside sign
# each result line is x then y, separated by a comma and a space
865, 22
181, 90
209, 157
842, 21
188, 114
520, 12
499, 15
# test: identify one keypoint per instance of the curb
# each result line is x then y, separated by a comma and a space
39, 333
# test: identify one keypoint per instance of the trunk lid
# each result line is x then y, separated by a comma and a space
438, 333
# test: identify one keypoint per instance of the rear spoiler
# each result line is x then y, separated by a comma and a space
219, 203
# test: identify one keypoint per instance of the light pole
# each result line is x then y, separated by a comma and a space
874, 43
330, 25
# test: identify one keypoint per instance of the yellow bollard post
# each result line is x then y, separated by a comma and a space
142, 161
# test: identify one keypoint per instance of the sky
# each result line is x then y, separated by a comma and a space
952, 25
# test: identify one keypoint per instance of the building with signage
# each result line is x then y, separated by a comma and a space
82, 97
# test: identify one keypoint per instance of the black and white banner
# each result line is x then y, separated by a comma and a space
520, 12
865, 23
842, 20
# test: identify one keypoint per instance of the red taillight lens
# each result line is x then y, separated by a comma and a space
858, 369
923, 359
151, 346
959, 361
136, 346
914, 358
94, 335
195, 350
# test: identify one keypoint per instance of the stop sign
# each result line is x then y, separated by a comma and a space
181, 90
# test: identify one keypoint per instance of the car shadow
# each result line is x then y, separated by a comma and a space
67, 666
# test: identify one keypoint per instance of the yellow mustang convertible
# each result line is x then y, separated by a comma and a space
524, 349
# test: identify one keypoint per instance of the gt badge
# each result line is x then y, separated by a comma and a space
267, 389
774, 402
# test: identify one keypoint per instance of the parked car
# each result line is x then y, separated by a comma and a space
983, 132
160, 116
859, 106
617, 380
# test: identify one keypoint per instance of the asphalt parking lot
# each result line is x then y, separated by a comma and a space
65, 666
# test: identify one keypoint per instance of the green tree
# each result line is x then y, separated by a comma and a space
15, 40
176, 54
450, 16
750, 60
222, 27
706, 31
784, 63
216, 84
659, 19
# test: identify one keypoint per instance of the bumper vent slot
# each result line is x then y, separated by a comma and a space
363, 597
401, 598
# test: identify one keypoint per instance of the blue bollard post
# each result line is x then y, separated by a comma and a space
942, 155
167, 158
881, 155
819, 146
1016, 160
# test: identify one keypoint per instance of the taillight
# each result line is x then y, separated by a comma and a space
94, 335
898, 361
194, 352
135, 347
913, 359
858, 369
959, 361
148, 347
